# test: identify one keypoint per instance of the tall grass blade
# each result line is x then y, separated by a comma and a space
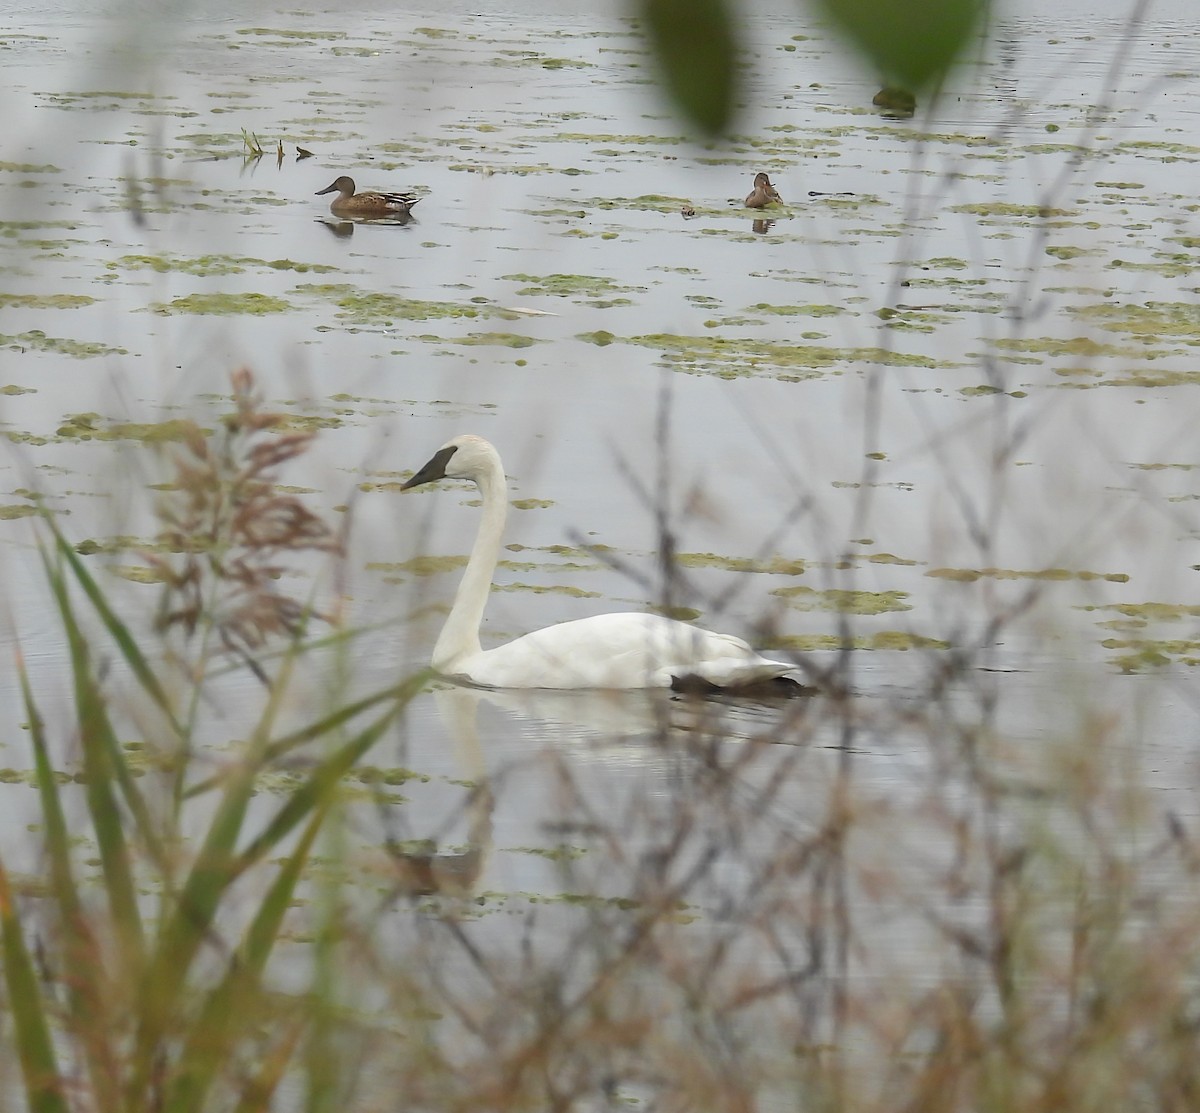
80, 956
261, 1089
186, 927
227, 1016
130, 651
103, 764
324, 727
39, 1065
317, 789
215, 870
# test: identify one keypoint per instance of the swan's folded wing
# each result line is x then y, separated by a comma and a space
620, 650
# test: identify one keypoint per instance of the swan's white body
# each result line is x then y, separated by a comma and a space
619, 650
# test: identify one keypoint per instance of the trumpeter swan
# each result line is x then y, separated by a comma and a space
620, 650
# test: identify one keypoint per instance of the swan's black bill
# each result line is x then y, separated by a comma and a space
435, 469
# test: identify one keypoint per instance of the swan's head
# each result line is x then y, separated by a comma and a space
465, 457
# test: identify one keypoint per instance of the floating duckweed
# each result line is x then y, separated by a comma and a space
1153, 320
420, 565
90, 426
1147, 657
799, 310
120, 543
569, 285
207, 266
883, 640
570, 567
398, 775
903, 640
11, 229
549, 589
46, 301
255, 305
1155, 652
39, 341
531, 504
17, 510
12, 390
1007, 208
308, 422
772, 565
1079, 346
383, 309
28, 168
560, 550
137, 573
738, 357
982, 390
560, 853
280, 33
970, 575
843, 601
1157, 612
499, 339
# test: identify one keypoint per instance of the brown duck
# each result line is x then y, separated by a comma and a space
763, 193
349, 203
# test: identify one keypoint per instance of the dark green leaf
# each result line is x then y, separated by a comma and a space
696, 48
911, 43
104, 768
43, 1084
80, 953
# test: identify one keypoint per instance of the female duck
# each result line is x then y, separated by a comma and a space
763, 193
619, 650
349, 203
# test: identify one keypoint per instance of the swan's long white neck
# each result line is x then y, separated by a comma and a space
460, 636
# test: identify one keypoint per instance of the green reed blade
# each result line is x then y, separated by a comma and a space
119, 632
324, 727
316, 791
97, 726
231, 1008
103, 765
256, 1098
39, 1065
76, 949
54, 822
187, 925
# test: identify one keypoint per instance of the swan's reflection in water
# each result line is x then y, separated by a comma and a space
552, 767
619, 845
455, 873
616, 716
426, 870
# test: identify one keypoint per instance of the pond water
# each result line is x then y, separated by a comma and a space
940, 405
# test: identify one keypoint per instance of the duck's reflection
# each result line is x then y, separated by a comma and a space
762, 227
343, 227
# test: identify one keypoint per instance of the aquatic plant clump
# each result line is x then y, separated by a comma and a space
227, 525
